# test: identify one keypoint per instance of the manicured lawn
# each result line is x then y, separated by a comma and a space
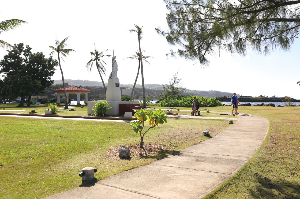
44, 156
274, 171
40, 109
41, 157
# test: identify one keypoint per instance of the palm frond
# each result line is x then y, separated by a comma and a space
89, 65
10, 24
63, 42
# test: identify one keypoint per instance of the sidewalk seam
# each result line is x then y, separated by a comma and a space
128, 190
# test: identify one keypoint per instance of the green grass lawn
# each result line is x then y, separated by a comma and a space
41, 157
274, 171
40, 109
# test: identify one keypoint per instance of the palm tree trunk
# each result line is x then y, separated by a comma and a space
63, 80
142, 70
143, 85
101, 78
137, 75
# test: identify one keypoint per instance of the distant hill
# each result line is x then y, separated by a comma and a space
152, 89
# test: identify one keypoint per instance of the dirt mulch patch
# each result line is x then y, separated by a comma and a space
135, 150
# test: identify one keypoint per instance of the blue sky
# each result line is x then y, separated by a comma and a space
107, 24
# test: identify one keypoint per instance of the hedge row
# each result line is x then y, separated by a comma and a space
187, 101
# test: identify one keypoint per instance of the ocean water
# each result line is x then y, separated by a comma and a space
276, 103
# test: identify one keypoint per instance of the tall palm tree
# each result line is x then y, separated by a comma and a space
138, 30
97, 58
138, 57
8, 25
61, 51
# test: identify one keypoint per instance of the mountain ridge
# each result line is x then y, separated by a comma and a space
158, 87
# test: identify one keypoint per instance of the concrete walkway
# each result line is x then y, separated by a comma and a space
193, 173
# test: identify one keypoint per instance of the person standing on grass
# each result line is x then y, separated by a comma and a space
194, 106
234, 103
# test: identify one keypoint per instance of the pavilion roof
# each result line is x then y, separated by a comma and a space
72, 88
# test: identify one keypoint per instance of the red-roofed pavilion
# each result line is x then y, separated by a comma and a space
72, 90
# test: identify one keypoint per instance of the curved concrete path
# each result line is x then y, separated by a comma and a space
193, 173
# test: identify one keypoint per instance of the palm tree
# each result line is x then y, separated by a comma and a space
137, 56
61, 51
97, 58
138, 30
8, 25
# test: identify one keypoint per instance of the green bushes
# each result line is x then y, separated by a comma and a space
125, 98
187, 101
53, 108
101, 108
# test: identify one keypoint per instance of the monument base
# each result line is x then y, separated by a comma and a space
113, 92
114, 104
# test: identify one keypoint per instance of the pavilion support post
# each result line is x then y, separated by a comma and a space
58, 98
86, 98
78, 98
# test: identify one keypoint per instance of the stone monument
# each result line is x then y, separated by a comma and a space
113, 93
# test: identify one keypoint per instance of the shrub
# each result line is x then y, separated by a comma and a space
53, 108
125, 98
101, 108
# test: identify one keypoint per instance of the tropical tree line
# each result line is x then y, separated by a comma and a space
200, 28
11, 86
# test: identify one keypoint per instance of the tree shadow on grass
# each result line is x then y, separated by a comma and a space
162, 154
268, 188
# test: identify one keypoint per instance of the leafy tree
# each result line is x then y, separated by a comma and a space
60, 49
288, 100
153, 117
138, 30
98, 59
138, 57
172, 90
203, 27
26, 73
8, 25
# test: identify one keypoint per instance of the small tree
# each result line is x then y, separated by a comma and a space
173, 89
288, 100
153, 117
